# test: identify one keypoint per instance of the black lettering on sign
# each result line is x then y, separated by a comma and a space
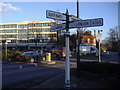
96, 22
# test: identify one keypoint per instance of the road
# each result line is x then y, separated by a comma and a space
21, 75
36, 75
112, 57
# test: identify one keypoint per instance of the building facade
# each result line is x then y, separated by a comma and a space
87, 39
28, 34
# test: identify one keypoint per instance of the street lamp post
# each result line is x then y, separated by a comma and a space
99, 51
99, 40
78, 43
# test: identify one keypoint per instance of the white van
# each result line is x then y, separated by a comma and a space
88, 49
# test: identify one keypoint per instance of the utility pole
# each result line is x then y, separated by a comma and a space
99, 40
67, 61
78, 42
99, 51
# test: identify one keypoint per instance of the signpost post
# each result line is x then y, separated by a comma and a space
67, 61
75, 24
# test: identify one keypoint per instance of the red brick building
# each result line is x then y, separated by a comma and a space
87, 39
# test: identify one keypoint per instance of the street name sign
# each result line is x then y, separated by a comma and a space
87, 23
58, 27
73, 18
97, 22
79, 24
55, 15
60, 16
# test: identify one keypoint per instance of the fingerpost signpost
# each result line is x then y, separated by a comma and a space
77, 23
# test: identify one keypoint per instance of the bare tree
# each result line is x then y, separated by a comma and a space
112, 39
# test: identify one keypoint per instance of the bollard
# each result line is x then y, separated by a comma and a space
96, 54
48, 57
43, 58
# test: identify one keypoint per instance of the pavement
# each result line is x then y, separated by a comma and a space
86, 80
82, 82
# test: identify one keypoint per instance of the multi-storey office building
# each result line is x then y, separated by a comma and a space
28, 34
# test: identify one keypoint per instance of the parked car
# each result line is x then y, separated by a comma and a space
28, 56
12, 54
59, 53
56, 53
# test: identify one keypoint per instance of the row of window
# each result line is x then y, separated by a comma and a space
9, 36
88, 40
9, 26
38, 36
31, 41
39, 30
27, 25
8, 31
26, 31
41, 24
24, 36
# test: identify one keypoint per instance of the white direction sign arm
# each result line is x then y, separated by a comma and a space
57, 27
80, 24
59, 16
87, 23
55, 15
97, 22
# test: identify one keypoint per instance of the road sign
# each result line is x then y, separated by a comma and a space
80, 24
59, 16
57, 27
55, 15
87, 23
99, 35
73, 18
97, 22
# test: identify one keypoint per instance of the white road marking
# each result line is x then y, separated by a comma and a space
20, 66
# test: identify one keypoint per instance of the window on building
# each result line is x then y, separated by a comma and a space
22, 26
88, 40
94, 40
0, 26
85, 40
82, 40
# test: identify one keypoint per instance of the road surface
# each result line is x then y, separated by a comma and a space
21, 75
35, 75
